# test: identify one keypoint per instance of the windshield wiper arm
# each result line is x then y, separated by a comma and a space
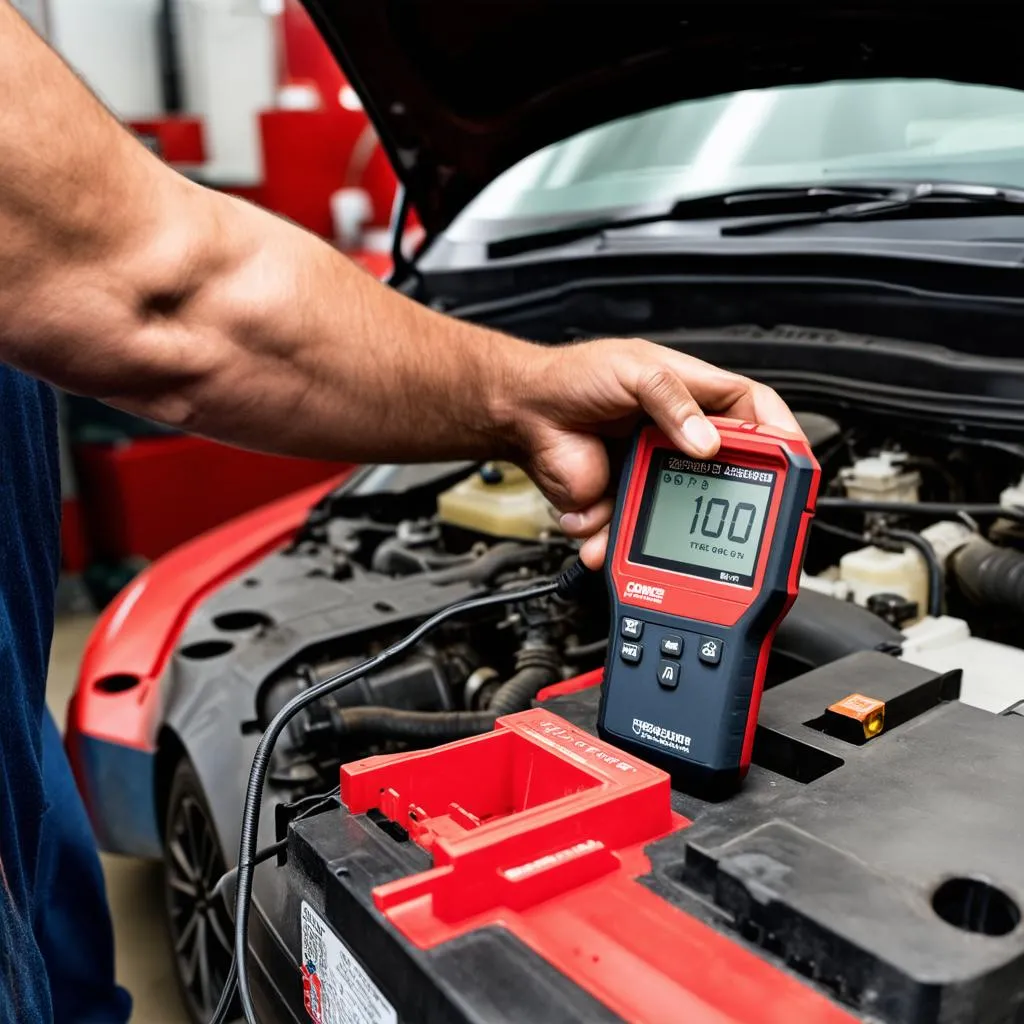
921, 200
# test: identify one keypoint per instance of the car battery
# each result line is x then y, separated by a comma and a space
538, 874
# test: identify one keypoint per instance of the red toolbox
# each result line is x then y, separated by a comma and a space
146, 496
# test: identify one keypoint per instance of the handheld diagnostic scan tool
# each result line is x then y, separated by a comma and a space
704, 562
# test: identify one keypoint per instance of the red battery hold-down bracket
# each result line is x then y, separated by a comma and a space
541, 827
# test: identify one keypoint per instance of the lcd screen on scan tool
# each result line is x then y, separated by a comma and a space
703, 518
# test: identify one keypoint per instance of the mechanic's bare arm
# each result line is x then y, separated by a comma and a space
122, 280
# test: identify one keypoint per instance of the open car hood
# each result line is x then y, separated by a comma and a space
461, 91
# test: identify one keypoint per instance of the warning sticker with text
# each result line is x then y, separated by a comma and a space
336, 988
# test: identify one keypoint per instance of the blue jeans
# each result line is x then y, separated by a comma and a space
72, 922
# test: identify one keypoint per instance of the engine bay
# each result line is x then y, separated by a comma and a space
917, 551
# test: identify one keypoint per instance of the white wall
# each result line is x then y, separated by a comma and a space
230, 74
34, 11
228, 61
113, 46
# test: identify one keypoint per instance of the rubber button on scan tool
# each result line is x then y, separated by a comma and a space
672, 645
632, 628
668, 674
631, 652
709, 650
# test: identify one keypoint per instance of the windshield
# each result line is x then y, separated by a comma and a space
797, 135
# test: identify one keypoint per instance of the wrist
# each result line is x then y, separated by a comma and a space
514, 394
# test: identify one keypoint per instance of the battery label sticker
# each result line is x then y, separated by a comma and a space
336, 988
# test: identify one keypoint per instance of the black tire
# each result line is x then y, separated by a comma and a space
199, 927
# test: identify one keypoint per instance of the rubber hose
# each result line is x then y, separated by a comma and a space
586, 650
936, 581
444, 726
393, 723
394, 558
500, 558
518, 693
990, 575
939, 509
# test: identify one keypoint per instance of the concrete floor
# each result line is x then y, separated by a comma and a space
133, 886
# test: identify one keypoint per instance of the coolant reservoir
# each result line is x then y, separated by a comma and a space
871, 570
1013, 496
501, 501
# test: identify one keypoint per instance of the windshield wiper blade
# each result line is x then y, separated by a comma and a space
800, 199
920, 200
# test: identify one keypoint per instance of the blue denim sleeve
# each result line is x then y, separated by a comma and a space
72, 923
29, 554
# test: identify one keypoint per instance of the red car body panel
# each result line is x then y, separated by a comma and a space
156, 606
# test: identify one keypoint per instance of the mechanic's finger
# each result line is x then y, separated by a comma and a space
587, 521
733, 395
593, 550
668, 401
745, 399
770, 409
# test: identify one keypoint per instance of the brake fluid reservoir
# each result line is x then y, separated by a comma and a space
501, 501
871, 570
881, 477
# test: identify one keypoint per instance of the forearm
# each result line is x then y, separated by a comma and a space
84, 238
305, 353
121, 280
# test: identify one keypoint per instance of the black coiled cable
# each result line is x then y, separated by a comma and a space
566, 584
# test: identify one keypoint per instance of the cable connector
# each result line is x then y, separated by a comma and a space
572, 582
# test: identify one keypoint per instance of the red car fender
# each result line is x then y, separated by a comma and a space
118, 698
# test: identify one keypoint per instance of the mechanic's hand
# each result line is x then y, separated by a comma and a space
575, 395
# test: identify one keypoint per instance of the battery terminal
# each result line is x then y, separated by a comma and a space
867, 712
